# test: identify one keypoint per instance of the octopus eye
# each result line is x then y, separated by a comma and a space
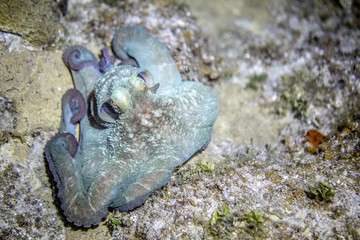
141, 75
146, 77
110, 110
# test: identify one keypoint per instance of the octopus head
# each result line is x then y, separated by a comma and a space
118, 91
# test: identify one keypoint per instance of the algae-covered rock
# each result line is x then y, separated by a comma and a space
37, 20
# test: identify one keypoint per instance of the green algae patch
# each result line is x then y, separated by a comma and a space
321, 192
253, 218
225, 224
256, 80
220, 215
206, 167
114, 223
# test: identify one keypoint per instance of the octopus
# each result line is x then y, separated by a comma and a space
138, 122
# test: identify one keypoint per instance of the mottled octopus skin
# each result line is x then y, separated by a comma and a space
141, 122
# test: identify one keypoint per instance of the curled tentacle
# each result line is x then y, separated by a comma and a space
77, 104
73, 110
106, 60
65, 141
78, 57
83, 66
76, 63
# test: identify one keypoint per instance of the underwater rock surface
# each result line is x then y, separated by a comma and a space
36, 21
280, 69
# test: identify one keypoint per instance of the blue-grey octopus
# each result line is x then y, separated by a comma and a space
138, 122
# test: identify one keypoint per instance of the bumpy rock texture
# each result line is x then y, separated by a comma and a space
36, 21
283, 68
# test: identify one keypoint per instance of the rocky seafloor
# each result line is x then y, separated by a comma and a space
284, 158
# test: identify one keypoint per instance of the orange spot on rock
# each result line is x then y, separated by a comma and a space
314, 137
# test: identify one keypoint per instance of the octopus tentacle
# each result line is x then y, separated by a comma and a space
75, 61
84, 68
150, 54
106, 60
77, 104
66, 141
60, 152
73, 110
